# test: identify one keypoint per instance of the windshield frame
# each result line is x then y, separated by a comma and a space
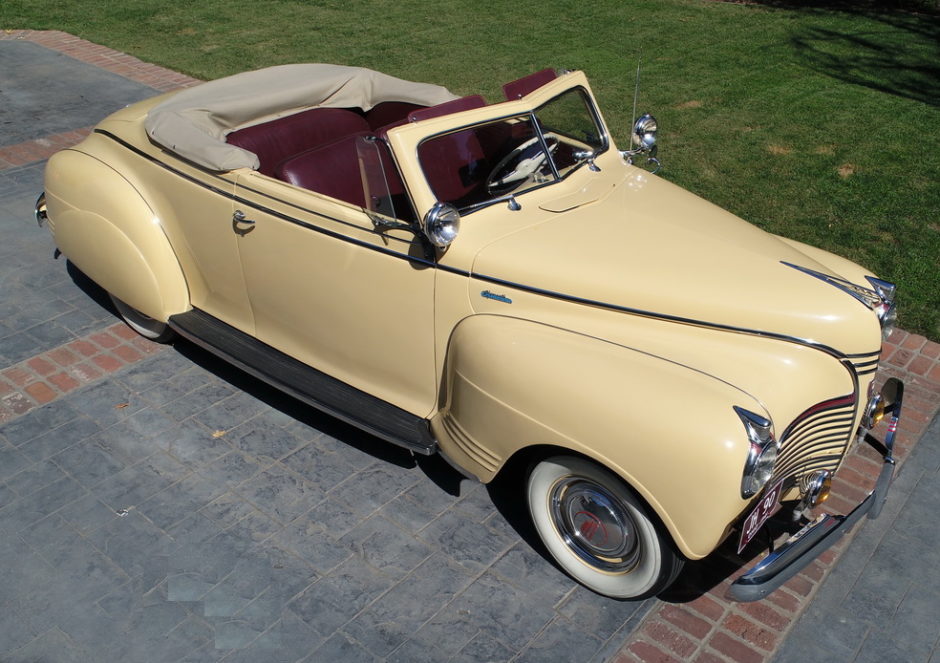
405, 138
529, 115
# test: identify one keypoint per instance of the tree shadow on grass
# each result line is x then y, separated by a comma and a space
894, 49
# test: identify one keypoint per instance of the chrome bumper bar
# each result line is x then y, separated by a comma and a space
819, 535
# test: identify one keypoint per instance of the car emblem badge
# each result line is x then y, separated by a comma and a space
500, 298
589, 526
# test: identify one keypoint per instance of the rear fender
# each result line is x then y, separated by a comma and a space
104, 226
670, 432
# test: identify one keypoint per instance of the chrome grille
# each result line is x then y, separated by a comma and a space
817, 439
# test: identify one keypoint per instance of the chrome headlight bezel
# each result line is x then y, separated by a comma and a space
762, 452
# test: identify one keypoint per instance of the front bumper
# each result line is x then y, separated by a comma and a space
819, 535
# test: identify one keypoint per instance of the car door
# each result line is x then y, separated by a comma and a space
196, 212
330, 288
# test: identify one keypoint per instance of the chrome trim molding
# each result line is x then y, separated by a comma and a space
432, 262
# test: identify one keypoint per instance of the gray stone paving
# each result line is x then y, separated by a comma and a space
40, 305
181, 511
45, 92
879, 604
169, 514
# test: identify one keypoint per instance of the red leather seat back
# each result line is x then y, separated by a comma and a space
451, 162
448, 107
279, 139
331, 169
523, 86
389, 112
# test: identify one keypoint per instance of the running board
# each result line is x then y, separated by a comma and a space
307, 384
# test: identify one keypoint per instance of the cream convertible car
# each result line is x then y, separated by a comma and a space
494, 282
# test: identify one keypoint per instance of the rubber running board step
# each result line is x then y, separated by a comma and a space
309, 385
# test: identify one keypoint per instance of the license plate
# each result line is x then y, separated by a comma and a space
762, 511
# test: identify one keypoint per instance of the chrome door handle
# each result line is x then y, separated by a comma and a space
239, 218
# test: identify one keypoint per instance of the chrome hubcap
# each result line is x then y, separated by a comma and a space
594, 524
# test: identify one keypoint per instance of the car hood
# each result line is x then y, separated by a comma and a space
651, 247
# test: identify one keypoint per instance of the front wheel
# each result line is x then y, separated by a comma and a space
156, 331
597, 530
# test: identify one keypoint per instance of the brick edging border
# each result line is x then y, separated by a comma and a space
713, 629
50, 375
159, 78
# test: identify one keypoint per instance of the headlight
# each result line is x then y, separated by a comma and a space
762, 454
886, 310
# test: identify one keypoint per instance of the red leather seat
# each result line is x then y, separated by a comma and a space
448, 107
389, 112
333, 169
523, 86
452, 163
284, 137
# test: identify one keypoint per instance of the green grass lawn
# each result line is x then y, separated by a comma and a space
821, 125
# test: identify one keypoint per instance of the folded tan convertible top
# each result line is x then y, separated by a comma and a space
194, 122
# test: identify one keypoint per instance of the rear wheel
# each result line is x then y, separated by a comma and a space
156, 331
598, 531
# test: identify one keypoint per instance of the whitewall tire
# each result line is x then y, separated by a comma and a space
144, 325
598, 530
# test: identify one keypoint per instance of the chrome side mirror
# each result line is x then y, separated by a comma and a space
441, 224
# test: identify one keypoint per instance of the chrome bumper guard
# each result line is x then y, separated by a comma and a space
822, 533
40, 210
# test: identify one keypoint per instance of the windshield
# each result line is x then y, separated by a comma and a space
472, 167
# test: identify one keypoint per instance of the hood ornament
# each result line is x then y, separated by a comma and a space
870, 297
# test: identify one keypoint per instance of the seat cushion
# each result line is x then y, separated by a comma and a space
284, 137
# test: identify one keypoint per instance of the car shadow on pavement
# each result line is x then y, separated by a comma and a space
444, 476
94, 291
705, 575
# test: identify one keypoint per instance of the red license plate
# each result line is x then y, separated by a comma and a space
763, 510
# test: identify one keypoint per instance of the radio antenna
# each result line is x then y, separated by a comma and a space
636, 93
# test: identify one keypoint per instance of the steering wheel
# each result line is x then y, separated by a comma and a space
524, 161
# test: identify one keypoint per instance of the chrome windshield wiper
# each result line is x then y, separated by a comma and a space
508, 198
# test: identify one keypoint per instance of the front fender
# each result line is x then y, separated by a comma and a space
669, 431
104, 226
